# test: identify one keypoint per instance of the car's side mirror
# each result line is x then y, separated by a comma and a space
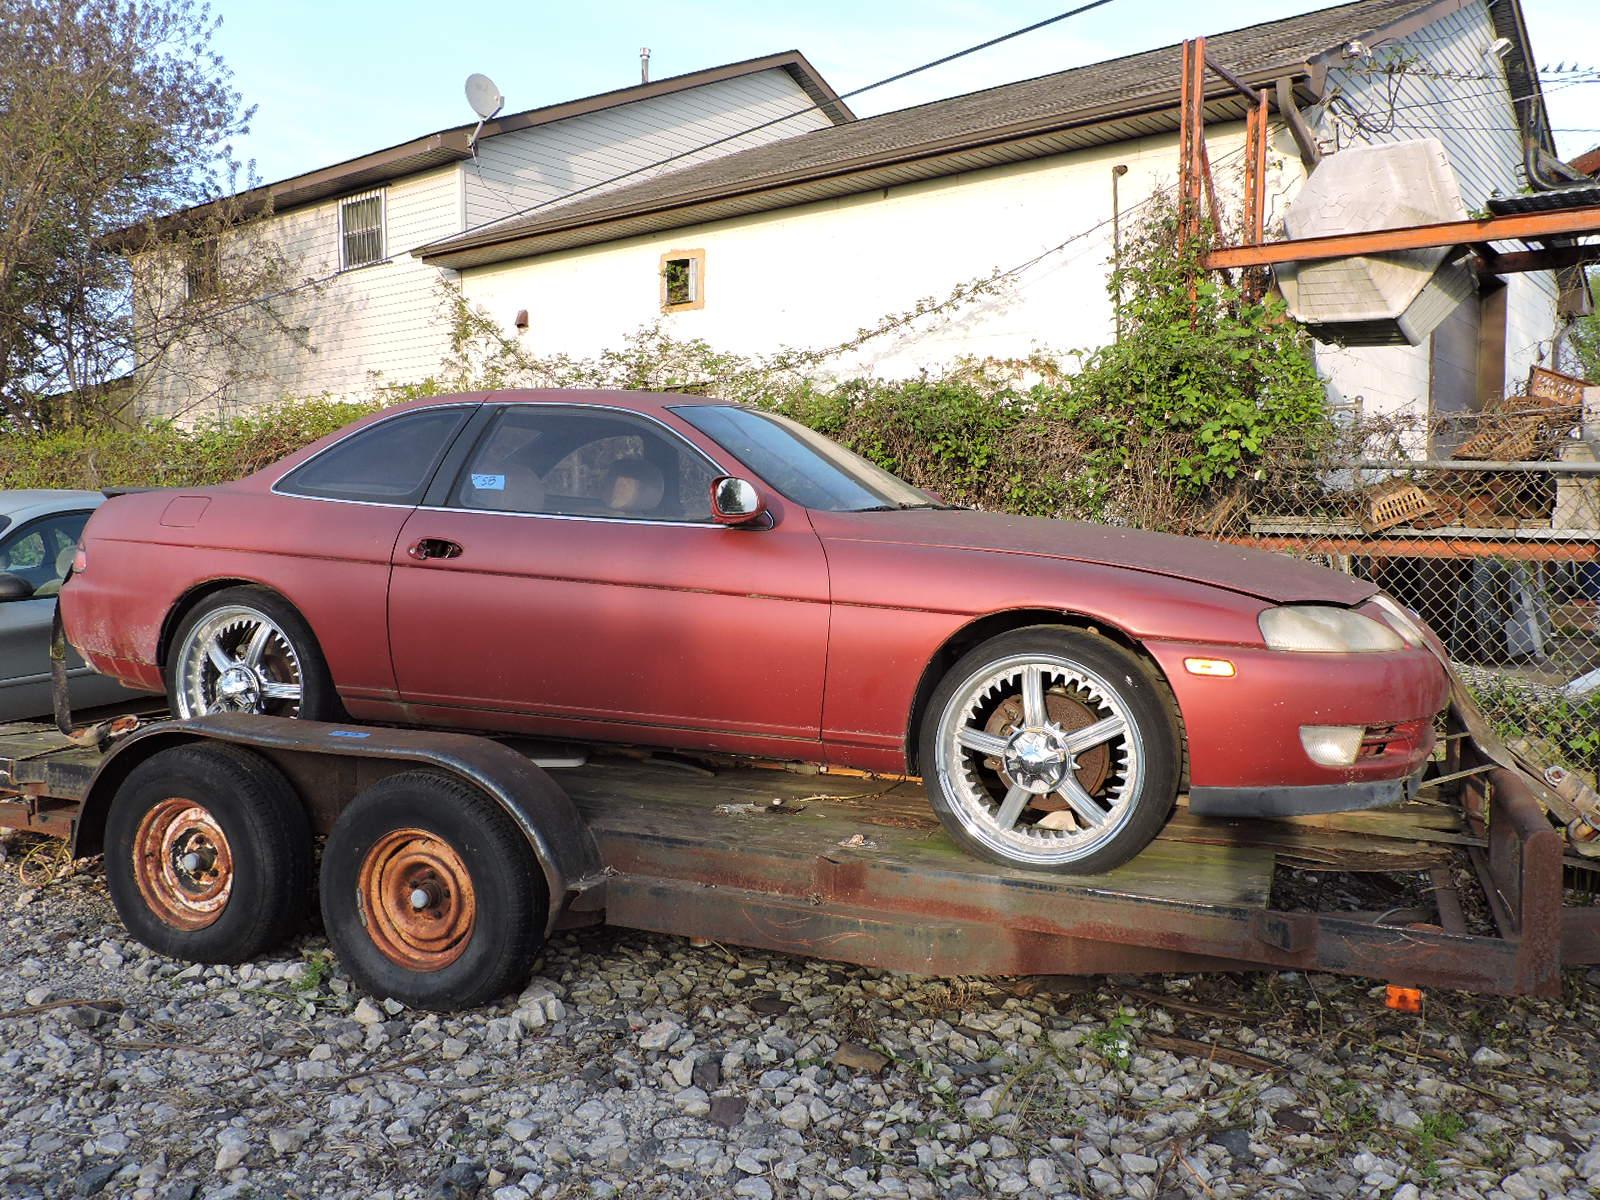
14, 587
735, 501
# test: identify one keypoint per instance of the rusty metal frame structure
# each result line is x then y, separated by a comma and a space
1550, 231
907, 900
1476, 235
1195, 182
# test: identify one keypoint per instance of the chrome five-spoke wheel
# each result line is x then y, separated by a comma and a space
1046, 749
238, 659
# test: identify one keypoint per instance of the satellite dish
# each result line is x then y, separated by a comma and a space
484, 97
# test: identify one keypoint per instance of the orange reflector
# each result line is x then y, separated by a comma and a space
1209, 666
1403, 999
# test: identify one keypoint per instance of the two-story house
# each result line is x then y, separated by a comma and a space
804, 231
363, 309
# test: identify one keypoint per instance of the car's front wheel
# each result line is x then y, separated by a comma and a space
1051, 749
244, 649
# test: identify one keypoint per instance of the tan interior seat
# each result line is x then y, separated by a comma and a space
63, 565
634, 486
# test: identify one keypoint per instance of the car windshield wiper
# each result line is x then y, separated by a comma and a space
928, 504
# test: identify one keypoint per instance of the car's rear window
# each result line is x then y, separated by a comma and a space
387, 463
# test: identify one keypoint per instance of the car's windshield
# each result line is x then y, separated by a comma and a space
802, 464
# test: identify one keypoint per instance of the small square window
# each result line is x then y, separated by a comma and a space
361, 231
683, 280
202, 268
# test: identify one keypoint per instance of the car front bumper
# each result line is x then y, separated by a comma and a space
1243, 732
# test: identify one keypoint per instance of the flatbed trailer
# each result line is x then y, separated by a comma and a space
857, 869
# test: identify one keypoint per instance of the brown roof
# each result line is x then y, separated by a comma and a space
453, 144
1588, 162
1049, 114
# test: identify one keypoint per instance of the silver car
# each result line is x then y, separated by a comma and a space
38, 537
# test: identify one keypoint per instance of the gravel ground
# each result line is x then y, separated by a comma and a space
642, 1066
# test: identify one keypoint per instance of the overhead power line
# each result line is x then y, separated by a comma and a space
788, 116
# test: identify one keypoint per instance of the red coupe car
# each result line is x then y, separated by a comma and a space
673, 571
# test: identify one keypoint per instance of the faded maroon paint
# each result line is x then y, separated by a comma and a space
807, 640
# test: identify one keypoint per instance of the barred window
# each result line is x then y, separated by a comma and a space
202, 268
361, 230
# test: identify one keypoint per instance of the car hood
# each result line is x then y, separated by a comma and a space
1266, 576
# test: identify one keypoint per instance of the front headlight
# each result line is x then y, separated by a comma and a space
1322, 630
1406, 625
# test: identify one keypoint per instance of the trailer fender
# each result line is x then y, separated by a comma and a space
560, 839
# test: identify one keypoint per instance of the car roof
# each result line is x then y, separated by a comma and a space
639, 401
28, 503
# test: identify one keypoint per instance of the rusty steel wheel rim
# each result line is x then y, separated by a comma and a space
183, 864
417, 900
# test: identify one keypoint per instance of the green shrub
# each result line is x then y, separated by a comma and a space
161, 454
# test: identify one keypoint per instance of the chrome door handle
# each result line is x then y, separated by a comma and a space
429, 547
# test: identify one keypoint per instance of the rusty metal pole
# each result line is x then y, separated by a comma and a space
1191, 123
1192, 172
1255, 190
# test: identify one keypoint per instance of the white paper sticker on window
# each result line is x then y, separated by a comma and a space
489, 483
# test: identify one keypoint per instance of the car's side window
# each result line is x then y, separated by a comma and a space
387, 463
41, 551
557, 461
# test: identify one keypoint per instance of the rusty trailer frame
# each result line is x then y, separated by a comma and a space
858, 870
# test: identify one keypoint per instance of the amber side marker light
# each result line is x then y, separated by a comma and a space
1403, 999
1219, 667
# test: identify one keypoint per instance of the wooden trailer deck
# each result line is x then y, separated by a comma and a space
860, 870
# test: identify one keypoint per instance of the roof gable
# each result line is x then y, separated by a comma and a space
454, 144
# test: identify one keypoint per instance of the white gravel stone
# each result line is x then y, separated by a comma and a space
659, 1036
232, 1146
708, 1074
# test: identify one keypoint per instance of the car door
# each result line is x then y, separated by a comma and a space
573, 577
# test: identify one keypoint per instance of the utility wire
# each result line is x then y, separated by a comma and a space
789, 116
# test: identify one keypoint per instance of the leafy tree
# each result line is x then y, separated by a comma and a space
114, 113
1583, 338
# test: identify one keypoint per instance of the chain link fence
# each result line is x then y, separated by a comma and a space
1488, 526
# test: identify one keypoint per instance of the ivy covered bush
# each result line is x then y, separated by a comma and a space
1201, 388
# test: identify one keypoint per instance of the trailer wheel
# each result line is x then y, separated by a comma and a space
208, 854
1051, 749
431, 894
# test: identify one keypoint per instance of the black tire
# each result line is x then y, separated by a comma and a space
266, 837
968, 791
318, 699
492, 954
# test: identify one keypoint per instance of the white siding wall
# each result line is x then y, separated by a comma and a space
377, 323
1455, 94
383, 324
811, 276
516, 170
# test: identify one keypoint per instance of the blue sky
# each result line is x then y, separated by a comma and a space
336, 78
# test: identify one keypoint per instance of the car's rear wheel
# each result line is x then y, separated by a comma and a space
244, 649
1051, 749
